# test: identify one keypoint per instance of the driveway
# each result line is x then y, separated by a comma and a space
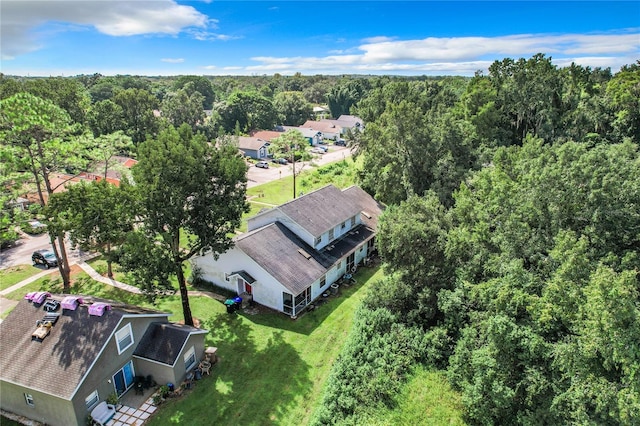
20, 253
257, 176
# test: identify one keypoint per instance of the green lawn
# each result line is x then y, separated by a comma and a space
15, 274
272, 369
427, 399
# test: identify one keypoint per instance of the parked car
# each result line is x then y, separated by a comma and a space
44, 257
341, 142
323, 147
318, 151
280, 160
262, 164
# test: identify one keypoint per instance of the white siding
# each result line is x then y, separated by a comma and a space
266, 290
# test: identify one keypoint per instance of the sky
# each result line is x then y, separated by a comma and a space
174, 37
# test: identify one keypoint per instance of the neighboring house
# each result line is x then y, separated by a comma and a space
320, 112
266, 135
329, 129
253, 147
91, 351
314, 137
292, 253
118, 168
351, 122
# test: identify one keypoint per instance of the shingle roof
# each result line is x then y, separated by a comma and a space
370, 209
162, 342
57, 364
320, 210
266, 135
323, 126
254, 144
278, 251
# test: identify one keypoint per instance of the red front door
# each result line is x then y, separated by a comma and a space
247, 288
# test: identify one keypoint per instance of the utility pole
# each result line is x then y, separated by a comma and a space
293, 161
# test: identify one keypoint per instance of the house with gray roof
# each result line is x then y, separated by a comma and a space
294, 252
253, 147
89, 349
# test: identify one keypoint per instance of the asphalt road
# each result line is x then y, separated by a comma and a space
257, 176
20, 253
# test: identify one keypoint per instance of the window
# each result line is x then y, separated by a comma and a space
323, 281
344, 225
124, 378
226, 276
190, 359
28, 398
353, 221
330, 234
91, 400
317, 242
124, 337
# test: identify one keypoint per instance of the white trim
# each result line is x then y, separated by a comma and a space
28, 398
120, 336
106, 343
190, 353
93, 396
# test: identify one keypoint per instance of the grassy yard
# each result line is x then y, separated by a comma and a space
272, 369
15, 274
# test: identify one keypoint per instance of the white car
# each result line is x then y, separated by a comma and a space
318, 150
262, 164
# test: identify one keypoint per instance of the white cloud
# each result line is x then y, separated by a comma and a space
22, 19
461, 55
173, 60
378, 39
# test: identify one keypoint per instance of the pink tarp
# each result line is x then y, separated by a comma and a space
37, 296
71, 302
98, 308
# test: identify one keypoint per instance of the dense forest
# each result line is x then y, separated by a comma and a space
511, 238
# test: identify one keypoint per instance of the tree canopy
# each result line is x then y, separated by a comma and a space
191, 198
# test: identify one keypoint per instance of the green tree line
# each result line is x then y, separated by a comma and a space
510, 243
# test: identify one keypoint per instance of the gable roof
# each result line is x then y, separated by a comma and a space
320, 210
291, 261
266, 135
163, 342
253, 144
323, 126
60, 362
370, 209
350, 120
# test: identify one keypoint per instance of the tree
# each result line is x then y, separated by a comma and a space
292, 108
137, 110
67, 93
106, 117
198, 84
37, 136
624, 92
345, 95
97, 216
248, 111
183, 106
192, 197
292, 146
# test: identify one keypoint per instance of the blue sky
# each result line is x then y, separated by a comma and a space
172, 37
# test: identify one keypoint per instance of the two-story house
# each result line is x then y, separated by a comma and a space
60, 356
292, 253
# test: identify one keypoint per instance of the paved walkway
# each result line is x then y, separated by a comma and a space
7, 304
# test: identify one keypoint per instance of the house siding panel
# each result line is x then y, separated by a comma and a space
47, 409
